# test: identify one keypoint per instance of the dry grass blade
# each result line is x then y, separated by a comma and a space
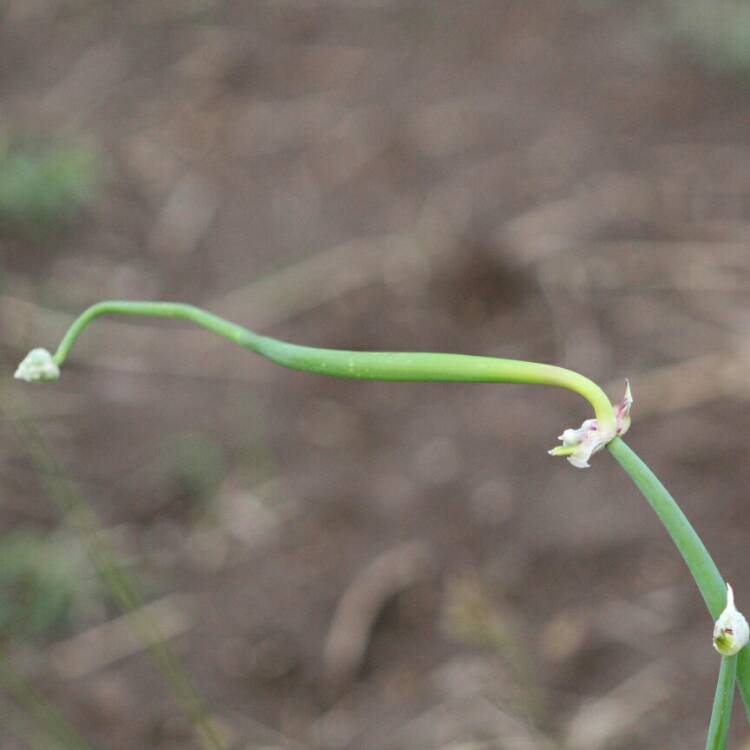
105, 644
123, 589
42, 727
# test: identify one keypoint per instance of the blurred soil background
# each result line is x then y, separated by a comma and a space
366, 565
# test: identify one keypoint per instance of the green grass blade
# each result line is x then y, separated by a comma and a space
123, 589
25, 729
46, 721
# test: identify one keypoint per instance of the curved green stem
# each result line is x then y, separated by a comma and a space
404, 366
694, 552
721, 714
701, 565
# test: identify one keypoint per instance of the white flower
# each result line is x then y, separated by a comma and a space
731, 631
579, 445
37, 366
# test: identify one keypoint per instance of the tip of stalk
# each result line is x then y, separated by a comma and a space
37, 367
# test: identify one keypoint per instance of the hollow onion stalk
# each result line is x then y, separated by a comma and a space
721, 713
435, 367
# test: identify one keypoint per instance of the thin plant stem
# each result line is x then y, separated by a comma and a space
433, 367
401, 366
696, 556
124, 590
699, 561
40, 711
721, 714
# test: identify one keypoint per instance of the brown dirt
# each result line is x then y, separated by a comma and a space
537, 181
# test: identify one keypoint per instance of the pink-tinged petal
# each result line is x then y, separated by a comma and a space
571, 437
592, 443
622, 410
578, 445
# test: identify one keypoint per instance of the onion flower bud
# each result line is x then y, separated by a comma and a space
731, 631
37, 366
